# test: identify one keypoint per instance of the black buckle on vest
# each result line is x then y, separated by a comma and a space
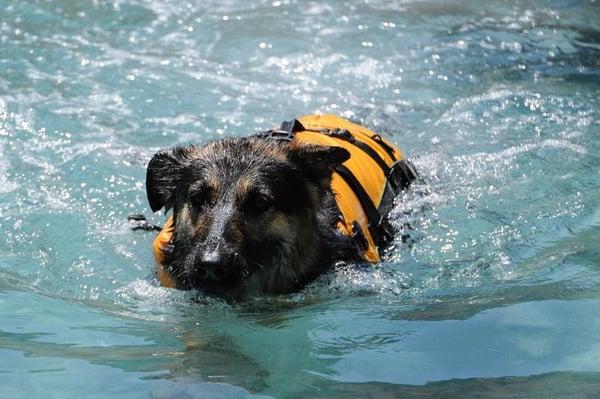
359, 237
279, 135
402, 173
286, 131
292, 126
384, 231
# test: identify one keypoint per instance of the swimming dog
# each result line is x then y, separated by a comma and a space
263, 214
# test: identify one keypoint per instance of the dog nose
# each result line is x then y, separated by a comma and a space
212, 266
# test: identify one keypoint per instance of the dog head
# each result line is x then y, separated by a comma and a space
245, 211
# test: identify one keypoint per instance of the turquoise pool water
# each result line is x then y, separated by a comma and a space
497, 103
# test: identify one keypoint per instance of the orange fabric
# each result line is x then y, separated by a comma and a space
162, 240
364, 168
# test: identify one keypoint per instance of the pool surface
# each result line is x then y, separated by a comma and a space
495, 295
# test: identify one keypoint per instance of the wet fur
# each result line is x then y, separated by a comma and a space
257, 213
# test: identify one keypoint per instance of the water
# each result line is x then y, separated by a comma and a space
497, 103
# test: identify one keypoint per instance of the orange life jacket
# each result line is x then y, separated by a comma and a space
364, 187
161, 245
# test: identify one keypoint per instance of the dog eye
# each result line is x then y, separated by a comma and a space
200, 196
259, 202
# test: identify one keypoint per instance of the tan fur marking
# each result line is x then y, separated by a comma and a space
213, 182
243, 187
184, 219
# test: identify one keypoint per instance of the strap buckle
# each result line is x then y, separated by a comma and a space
401, 174
384, 231
286, 131
359, 237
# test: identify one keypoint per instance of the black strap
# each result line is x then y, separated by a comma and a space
379, 227
402, 173
359, 237
389, 149
347, 136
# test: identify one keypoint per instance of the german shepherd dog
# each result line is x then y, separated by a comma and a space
250, 215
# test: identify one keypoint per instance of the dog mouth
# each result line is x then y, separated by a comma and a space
221, 287
216, 277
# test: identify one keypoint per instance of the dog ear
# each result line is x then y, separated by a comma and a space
163, 174
316, 161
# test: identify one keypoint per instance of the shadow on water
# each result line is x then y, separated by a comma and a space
211, 361
179, 348
563, 384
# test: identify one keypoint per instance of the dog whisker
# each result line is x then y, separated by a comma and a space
260, 266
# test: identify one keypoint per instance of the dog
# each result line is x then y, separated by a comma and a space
252, 215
